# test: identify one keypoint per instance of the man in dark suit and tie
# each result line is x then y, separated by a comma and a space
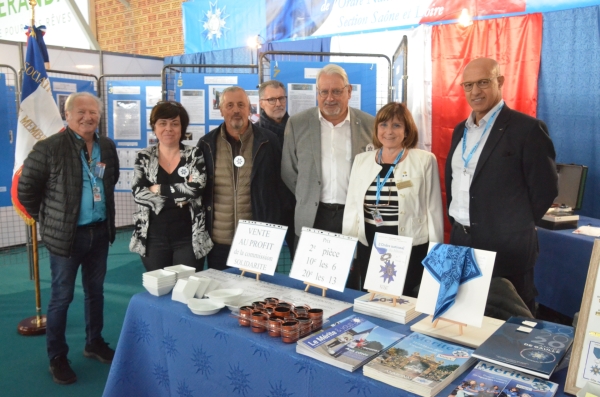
500, 178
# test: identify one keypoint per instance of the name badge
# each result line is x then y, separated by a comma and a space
370, 147
377, 217
99, 170
404, 184
183, 172
238, 161
97, 195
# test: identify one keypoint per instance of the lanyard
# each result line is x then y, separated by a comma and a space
464, 144
87, 168
381, 184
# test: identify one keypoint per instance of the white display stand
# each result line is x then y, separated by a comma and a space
468, 336
388, 264
256, 247
323, 259
470, 299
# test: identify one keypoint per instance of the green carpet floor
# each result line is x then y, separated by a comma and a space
24, 363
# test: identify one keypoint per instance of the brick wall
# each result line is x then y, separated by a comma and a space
149, 27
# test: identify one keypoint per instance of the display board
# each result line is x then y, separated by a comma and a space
299, 79
8, 130
63, 87
200, 94
128, 107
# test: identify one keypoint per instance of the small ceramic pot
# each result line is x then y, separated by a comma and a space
258, 322
290, 331
281, 312
245, 315
274, 326
305, 325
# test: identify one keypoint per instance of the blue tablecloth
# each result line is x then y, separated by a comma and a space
562, 266
166, 350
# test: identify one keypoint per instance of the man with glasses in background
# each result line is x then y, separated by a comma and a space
500, 178
318, 150
274, 117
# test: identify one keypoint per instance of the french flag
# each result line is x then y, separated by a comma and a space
39, 116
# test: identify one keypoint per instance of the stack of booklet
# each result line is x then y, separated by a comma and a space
382, 306
349, 343
420, 364
491, 380
528, 345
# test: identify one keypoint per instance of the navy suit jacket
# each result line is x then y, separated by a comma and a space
514, 184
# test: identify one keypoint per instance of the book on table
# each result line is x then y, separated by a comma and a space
528, 345
348, 344
492, 380
382, 306
420, 364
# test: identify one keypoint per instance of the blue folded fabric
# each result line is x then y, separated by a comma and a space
451, 266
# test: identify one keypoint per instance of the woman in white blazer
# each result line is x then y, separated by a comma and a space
406, 203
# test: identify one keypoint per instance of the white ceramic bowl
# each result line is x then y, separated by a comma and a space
181, 270
159, 274
204, 307
159, 291
227, 296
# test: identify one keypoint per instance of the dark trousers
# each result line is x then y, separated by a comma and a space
523, 282
217, 257
163, 251
90, 251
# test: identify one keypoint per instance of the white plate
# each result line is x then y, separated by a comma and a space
227, 296
204, 307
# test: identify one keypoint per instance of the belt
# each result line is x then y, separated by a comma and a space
331, 207
93, 225
466, 229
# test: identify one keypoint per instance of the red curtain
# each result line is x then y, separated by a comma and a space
515, 42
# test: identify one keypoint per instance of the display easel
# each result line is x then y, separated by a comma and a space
308, 285
373, 293
253, 272
460, 325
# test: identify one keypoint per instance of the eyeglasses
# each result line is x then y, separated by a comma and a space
334, 93
273, 101
483, 84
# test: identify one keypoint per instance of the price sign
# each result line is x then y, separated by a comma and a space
256, 246
323, 258
388, 264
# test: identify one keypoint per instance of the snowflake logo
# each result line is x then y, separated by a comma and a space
201, 361
537, 356
183, 389
124, 370
359, 386
389, 271
595, 370
141, 331
221, 335
307, 367
278, 390
261, 351
214, 22
239, 380
162, 375
169, 345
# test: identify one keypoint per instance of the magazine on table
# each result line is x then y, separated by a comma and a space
492, 380
528, 345
420, 364
348, 344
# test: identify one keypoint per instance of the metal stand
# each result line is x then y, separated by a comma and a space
35, 325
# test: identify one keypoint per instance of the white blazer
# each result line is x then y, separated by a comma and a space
420, 213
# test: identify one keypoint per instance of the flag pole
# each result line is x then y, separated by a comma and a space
35, 325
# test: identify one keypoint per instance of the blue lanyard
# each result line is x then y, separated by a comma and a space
87, 167
464, 144
381, 184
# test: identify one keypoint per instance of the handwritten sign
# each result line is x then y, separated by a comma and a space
323, 258
388, 264
256, 246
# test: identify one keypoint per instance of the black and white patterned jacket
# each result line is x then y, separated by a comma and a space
145, 174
